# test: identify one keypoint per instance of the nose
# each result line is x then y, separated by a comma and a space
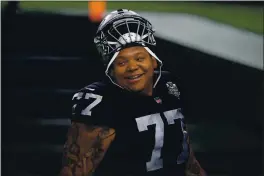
132, 66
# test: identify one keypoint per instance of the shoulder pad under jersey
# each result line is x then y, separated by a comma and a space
170, 83
88, 103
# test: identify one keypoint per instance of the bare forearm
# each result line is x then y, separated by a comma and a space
193, 168
84, 149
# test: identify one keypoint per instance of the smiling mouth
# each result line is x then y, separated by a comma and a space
134, 77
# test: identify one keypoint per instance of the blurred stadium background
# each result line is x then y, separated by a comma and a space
214, 48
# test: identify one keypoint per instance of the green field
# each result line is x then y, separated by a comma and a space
249, 18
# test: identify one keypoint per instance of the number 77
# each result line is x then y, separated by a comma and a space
156, 161
87, 110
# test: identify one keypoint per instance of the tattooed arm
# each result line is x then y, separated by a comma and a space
85, 148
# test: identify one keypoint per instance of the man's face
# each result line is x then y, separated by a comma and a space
133, 69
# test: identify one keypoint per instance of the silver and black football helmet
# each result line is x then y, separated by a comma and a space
120, 29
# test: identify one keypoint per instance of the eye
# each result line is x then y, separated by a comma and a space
140, 59
121, 63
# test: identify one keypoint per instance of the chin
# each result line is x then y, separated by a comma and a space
135, 89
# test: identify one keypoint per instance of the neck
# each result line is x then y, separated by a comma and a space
148, 91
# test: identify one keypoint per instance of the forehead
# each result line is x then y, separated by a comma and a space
132, 51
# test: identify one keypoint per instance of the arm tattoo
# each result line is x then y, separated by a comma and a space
72, 150
84, 149
193, 167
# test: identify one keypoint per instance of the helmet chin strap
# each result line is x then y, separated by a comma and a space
154, 55
116, 54
107, 69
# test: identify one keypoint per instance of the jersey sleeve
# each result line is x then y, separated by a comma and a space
89, 106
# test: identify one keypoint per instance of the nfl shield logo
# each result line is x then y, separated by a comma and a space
158, 100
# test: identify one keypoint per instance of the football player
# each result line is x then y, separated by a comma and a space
131, 123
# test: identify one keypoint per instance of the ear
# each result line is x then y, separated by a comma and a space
154, 62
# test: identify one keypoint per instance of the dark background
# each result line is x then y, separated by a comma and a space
47, 57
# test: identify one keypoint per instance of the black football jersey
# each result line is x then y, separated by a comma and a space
151, 138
